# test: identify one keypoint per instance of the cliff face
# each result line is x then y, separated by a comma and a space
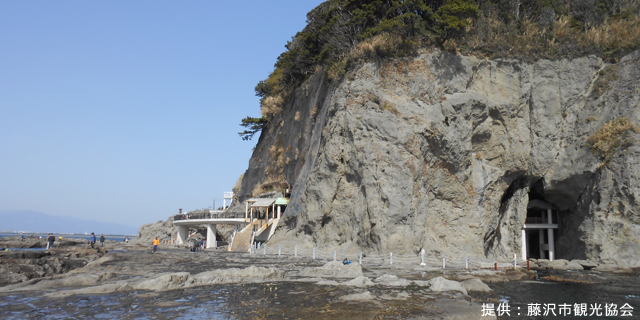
442, 152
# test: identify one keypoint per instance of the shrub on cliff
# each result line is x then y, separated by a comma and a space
612, 137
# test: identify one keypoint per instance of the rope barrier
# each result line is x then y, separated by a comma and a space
458, 263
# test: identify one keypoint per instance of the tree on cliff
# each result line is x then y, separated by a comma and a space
343, 33
253, 125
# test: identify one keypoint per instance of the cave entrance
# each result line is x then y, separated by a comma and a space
540, 228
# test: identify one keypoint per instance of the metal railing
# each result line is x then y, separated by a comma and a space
208, 215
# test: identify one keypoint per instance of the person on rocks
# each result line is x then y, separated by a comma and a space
102, 241
156, 242
92, 240
50, 241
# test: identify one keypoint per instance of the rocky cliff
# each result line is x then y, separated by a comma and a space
442, 152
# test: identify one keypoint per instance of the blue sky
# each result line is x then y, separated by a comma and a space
125, 111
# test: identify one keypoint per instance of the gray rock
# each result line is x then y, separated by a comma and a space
360, 281
441, 284
559, 264
586, 264
399, 296
333, 269
363, 296
574, 265
476, 285
421, 283
392, 281
440, 152
607, 268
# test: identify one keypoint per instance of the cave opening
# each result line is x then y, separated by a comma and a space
541, 226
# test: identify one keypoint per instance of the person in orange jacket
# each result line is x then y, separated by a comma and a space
156, 242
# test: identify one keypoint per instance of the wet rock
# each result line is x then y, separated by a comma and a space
458, 309
179, 280
607, 268
421, 283
573, 278
20, 266
69, 280
399, 296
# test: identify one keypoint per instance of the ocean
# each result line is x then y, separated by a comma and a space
113, 237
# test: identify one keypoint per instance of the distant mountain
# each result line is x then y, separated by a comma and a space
32, 221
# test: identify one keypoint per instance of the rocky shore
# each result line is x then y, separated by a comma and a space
263, 285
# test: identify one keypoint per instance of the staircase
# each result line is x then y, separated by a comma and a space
242, 240
267, 230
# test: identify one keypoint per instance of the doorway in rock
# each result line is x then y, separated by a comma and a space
533, 244
540, 229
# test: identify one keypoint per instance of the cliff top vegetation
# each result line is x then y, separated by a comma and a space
342, 33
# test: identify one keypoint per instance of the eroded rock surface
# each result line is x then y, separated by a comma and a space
441, 152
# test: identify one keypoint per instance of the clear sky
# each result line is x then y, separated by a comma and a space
125, 111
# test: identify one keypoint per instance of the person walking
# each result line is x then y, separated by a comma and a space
92, 240
50, 241
156, 242
102, 241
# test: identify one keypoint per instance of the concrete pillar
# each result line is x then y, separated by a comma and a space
279, 211
552, 249
246, 210
541, 236
524, 244
182, 234
211, 236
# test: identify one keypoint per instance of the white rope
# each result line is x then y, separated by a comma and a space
375, 259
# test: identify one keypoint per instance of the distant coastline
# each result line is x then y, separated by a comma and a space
112, 237
38, 222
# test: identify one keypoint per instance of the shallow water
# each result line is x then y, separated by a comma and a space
178, 304
613, 289
277, 300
